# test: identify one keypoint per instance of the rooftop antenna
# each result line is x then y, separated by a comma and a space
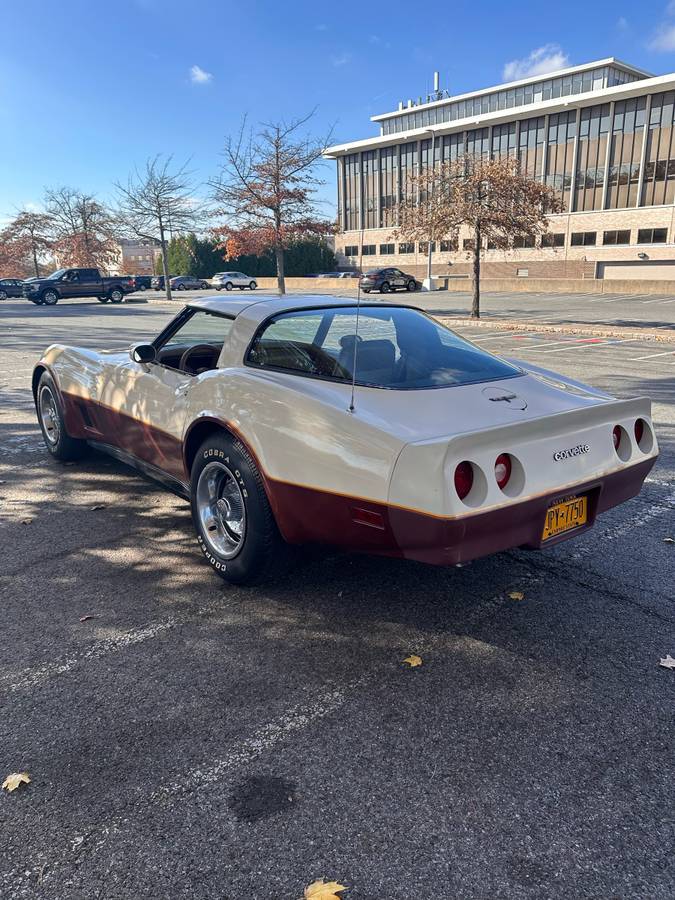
356, 330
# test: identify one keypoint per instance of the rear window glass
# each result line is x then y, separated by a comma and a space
396, 348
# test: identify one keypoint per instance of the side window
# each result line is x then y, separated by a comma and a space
201, 328
290, 342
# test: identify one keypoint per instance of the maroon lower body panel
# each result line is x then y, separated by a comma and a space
309, 515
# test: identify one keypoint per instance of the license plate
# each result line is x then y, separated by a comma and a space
565, 516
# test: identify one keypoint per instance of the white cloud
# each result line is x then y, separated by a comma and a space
539, 62
340, 60
199, 76
664, 40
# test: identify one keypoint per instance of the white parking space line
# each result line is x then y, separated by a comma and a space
496, 337
657, 300
581, 346
652, 355
573, 341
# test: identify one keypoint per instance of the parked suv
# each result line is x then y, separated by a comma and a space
157, 282
10, 287
385, 280
66, 283
142, 282
229, 280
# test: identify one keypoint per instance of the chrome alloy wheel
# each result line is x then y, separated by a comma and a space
49, 415
221, 509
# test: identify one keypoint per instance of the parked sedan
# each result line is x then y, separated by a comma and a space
245, 409
10, 287
385, 280
229, 280
188, 283
157, 282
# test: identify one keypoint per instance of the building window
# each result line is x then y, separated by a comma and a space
352, 250
449, 246
553, 240
583, 238
369, 249
652, 235
424, 246
616, 237
468, 244
387, 249
522, 273
523, 242
406, 248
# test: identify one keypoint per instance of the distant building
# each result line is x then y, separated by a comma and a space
136, 256
602, 134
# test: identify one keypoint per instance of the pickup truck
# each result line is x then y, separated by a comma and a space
67, 283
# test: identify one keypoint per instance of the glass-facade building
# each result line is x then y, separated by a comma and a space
600, 134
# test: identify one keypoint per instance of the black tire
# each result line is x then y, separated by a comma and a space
241, 287
228, 286
102, 299
385, 287
204, 285
49, 297
116, 295
57, 440
3, 295
253, 285
366, 291
219, 288
261, 552
411, 285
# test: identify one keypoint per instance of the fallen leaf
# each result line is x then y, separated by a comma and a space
516, 595
324, 890
668, 662
12, 782
669, 540
98, 506
90, 616
413, 661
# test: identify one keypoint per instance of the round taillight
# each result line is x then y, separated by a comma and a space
463, 479
616, 437
639, 429
503, 469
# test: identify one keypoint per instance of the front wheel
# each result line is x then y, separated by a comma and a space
232, 515
384, 289
50, 416
50, 298
228, 286
3, 295
204, 285
102, 299
411, 285
253, 285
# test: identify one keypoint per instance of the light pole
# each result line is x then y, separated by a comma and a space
427, 281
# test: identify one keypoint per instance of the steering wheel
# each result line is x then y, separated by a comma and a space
198, 348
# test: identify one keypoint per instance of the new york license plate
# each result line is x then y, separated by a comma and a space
564, 516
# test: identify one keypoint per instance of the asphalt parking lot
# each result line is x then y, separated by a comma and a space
192, 740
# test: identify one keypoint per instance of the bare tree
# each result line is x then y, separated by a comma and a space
266, 190
490, 197
84, 229
34, 232
158, 200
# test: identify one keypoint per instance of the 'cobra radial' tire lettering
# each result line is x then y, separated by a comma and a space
235, 525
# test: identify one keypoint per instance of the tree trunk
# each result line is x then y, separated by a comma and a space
475, 276
35, 262
165, 265
281, 278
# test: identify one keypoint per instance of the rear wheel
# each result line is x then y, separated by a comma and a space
253, 285
3, 295
384, 287
228, 286
116, 295
49, 298
204, 285
50, 416
232, 515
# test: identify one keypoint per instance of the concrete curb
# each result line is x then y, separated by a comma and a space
640, 334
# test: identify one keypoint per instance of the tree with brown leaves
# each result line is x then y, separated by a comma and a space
492, 198
31, 233
266, 190
84, 229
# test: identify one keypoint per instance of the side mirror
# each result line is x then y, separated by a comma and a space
142, 353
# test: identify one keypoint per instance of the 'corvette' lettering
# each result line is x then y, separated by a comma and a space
571, 452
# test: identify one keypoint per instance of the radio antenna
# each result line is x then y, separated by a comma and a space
356, 330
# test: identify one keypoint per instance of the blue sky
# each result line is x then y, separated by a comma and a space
90, 88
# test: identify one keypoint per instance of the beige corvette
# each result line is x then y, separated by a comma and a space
289, 421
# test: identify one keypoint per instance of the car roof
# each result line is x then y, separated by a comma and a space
258, 309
